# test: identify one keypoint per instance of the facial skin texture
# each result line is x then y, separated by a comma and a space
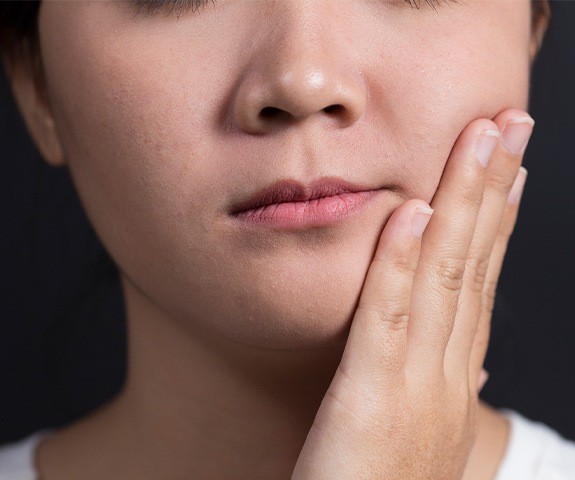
158, 119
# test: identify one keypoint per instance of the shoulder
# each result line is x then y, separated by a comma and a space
535, 452
17, 459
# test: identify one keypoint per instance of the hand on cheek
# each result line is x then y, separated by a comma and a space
403, 401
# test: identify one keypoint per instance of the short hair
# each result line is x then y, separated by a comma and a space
19, 28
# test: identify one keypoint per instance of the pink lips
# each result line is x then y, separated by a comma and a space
289, 204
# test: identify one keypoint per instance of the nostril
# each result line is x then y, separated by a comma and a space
274, 112
269, 112
337, 109
277, 114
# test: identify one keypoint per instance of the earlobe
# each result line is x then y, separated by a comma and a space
35, 110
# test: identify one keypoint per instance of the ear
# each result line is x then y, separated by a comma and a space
539, 28
28, 87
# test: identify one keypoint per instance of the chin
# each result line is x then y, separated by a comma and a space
315, 313
307, 326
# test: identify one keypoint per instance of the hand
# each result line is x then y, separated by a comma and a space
403, 401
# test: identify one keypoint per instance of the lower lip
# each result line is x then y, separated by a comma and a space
319, 212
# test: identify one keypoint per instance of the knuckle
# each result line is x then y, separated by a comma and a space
489, 293
501, 181
476, 271
396, 318
450, 272
471, 194
404, 263
391, 313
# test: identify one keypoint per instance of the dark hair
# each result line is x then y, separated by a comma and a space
19, 25
19, 28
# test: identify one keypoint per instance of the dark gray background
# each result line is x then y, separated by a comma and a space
61, 310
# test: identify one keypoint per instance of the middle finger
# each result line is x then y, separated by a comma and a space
445, 247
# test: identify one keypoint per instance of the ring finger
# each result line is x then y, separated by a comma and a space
516, 127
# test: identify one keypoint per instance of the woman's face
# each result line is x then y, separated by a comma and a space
168, 121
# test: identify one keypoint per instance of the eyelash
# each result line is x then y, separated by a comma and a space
176, 7
179, 7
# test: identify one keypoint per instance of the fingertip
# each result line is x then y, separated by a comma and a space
512, 115
405, 227
479, 126
414, 216
401, 220
516, 191
486, 146
420, 220
516, 128
480, 138
482, 380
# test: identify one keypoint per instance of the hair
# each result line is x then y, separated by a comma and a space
19, 26
19, 29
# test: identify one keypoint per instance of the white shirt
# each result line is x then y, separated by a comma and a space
534, 452
17, 459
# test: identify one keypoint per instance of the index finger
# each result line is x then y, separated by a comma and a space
376, 343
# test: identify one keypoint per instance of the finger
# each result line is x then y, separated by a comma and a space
501, 173
376, 342
482, 380
506, 228
439, 277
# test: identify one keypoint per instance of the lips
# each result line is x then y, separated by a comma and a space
290, 204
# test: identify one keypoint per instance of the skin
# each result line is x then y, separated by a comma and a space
235, 335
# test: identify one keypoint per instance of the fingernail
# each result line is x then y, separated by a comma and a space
517, 189
420, 220
517, 133
486, 145
483, 377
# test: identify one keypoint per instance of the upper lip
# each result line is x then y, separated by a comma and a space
289, 190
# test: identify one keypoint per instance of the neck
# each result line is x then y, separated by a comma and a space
220, 408
199, 406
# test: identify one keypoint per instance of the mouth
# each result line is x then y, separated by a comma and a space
288, 204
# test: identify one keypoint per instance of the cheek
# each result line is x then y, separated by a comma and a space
449, 102
427, 94
134, 132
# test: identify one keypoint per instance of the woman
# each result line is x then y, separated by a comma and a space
309, 204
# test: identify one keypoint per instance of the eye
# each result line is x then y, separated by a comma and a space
176, 7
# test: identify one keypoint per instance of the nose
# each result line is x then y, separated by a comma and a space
304, 72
